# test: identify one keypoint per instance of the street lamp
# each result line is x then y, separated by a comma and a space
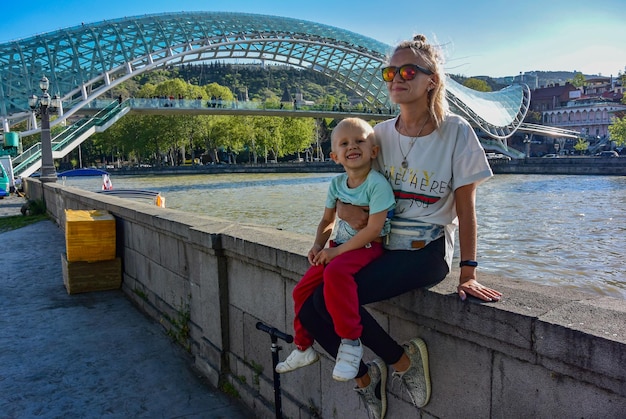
527, 144
42, 106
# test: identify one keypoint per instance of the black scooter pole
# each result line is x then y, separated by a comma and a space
275, 334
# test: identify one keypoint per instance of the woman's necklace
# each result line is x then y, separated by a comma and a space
405, 164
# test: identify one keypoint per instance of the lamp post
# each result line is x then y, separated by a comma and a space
556, 149
42, 106
527, 144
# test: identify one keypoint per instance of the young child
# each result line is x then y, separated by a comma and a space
352, 147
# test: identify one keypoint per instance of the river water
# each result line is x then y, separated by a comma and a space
566, 231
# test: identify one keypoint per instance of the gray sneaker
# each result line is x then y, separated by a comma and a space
416, 379
374, 396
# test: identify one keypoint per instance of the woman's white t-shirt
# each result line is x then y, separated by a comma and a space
438, 163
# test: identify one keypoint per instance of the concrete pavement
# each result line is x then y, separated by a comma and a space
11, 205
86, 355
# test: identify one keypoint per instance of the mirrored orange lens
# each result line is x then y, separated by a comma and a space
389, 73
408, 73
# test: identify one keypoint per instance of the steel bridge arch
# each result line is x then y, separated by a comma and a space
86, 61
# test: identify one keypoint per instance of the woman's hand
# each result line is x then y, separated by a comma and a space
354, 215
475, 289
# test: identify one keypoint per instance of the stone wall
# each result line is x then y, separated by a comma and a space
615, 166
542, 352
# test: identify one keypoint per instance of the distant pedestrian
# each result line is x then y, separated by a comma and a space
107, 185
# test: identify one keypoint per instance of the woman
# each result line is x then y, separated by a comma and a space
434, 162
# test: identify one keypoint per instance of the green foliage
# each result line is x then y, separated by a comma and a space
179, 330
174, 88
215, 90
477, 84
258, 370
581, 145
493, 84
141, 294
578, 80
172, 140
618, 131
533, 117
263, 82
18, 221
147, 91
229, 389
34, 207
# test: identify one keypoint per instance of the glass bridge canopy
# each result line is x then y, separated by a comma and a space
83, 62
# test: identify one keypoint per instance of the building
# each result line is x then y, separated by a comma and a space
588, 110
553, 97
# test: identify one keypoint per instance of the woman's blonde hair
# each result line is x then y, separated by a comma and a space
433, 58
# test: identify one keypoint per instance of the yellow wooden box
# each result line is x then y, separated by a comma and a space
89, 235
91, 276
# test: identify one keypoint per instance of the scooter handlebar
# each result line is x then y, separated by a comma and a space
272, 331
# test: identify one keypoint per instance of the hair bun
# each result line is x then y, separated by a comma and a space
420, 38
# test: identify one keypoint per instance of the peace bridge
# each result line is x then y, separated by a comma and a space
85, 62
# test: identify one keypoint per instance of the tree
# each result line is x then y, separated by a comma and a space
578, 80
179, 137
298, 134
268, 136
618, 131
477, 84
178, 88
146, 91
533, 117
581, 146
217, 91
266, 95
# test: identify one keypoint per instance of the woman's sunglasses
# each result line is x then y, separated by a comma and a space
407, 72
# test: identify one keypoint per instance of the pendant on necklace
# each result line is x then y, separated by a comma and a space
404, 164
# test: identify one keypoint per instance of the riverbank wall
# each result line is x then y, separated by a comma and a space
286, 167
530, 166
615, 166
541, 352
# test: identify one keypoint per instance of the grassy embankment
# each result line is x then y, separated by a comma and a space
18, 221
35, 211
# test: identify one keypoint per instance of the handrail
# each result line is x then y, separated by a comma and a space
33, 155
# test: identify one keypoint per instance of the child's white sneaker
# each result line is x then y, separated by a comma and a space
348, 360
297, 359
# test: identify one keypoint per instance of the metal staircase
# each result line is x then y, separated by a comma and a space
29, 161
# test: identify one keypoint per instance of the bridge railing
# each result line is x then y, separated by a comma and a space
160, 103
73, 132
107, 113
26, 159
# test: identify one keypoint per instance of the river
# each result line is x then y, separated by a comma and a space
566, 231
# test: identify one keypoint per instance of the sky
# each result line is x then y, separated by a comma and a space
480, 38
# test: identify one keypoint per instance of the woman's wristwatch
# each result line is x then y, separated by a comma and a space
471, 263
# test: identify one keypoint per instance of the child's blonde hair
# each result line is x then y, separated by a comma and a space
356, 123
